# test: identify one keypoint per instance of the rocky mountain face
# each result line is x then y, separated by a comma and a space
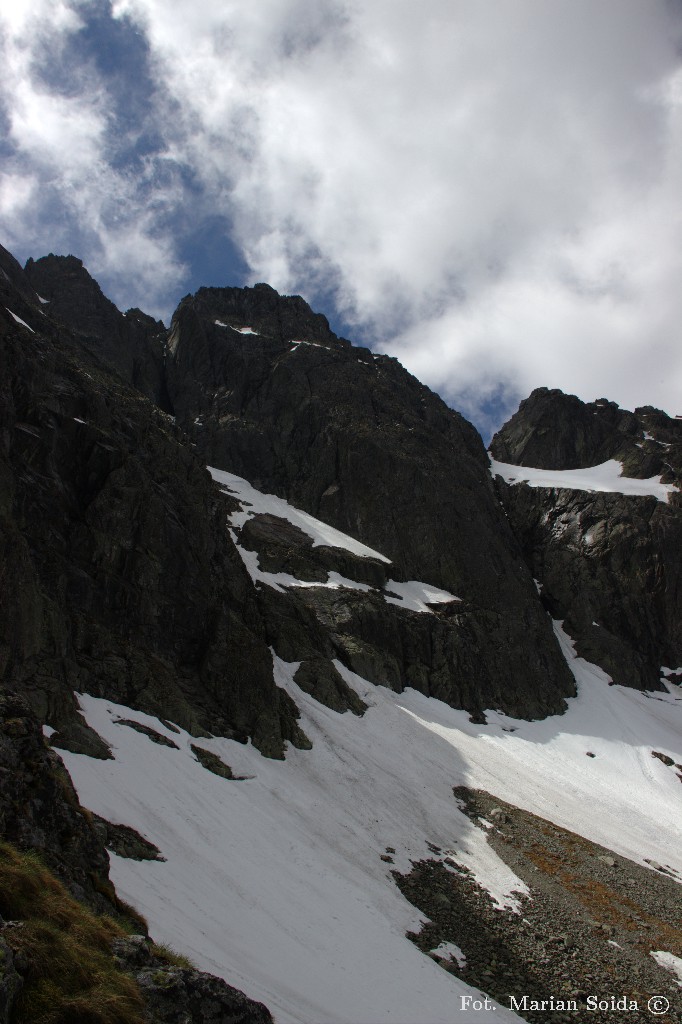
552, 430
609, 563
259, 385
266, 391
127, 572
39, 808
116, 576
132, 344
119, 575
130, 586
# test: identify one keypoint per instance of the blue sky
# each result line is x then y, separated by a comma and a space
490, 192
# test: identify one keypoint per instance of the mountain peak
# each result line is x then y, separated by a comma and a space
553, 430
257, 311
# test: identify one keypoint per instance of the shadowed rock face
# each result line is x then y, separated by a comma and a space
358, 442
609, 563
552, 430
131, 343
259, 385
15, 284
39, 809
119, 576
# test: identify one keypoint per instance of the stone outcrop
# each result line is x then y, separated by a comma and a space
130, 343
552, 430
358, 442
59, 961
175, 994
39, 809
125, 841
608, 563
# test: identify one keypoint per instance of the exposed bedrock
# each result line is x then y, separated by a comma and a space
355, 440
120, 578
609, 564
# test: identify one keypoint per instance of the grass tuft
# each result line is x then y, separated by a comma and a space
130, 919
71, 975
169, 956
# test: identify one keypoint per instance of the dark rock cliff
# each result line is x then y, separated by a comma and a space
131, 343
119, 577
268, 392
39, 809
609, 563
552, 430
130, 585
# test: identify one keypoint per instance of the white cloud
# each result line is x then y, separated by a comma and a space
36, 18
489, 190
59, 187
16, 193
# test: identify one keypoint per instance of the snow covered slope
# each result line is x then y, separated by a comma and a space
255, 502
412, 594
276, 882
605, 477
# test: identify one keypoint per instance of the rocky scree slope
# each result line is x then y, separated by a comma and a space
587, 926
609, 563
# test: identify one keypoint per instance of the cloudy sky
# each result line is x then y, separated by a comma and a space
488, 189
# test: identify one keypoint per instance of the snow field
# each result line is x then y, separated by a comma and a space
606, 477
239, 330
257, 503
19, 320
276, 883
411, 594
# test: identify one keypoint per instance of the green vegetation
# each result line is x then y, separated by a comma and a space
71, 975
131, 920
167, 955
